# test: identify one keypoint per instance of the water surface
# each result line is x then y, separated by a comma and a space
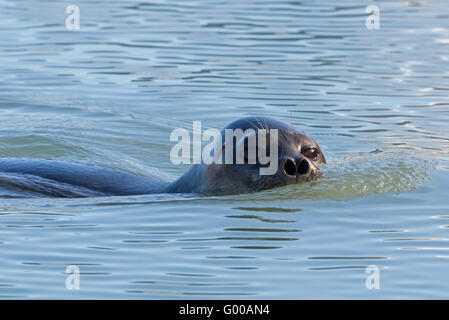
111, 93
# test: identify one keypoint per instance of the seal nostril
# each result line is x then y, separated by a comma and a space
303, 167
290, 167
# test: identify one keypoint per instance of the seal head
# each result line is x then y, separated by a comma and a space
298, 159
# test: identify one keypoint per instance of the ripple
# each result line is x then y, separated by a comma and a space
348, 176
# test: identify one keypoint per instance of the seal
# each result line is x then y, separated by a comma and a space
298, 160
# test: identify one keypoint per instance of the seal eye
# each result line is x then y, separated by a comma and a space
311, 153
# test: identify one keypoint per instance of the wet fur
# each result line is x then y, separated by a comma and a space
47, 178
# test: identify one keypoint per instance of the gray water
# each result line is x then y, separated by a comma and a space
111, 93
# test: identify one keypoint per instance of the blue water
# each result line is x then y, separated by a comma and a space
111, 93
